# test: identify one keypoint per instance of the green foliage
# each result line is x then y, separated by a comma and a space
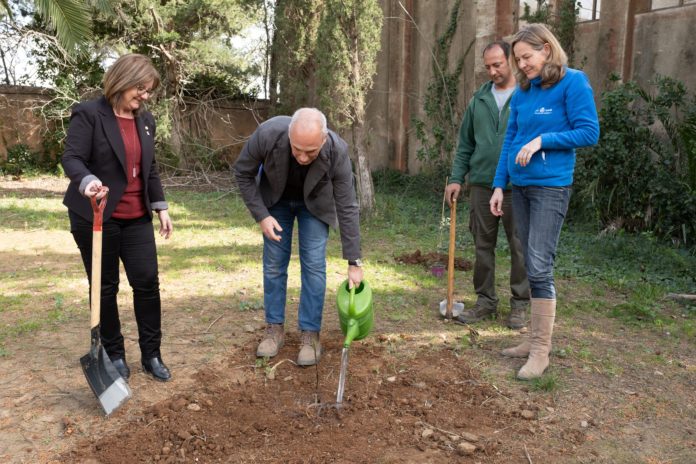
348, 41
546, 383
22, 160
190, 44
563, 23
293, 57
640, 177
437, 132
541, 15
70, 19
19, 160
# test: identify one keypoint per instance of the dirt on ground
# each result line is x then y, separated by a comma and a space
432, 407
431, 259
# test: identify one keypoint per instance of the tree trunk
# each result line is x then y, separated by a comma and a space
366, 190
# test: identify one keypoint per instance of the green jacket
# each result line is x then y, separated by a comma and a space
481, 138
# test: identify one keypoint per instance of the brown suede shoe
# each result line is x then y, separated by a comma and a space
517, 318
310, 349
272, 341
475, 314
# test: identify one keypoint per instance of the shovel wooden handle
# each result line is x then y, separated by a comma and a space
450, 260
95, 284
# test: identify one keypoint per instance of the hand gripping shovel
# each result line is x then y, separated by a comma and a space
448, 307
111, 389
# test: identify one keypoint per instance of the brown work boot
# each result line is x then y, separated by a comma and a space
310, 348
475, 314
517, 318
272, 341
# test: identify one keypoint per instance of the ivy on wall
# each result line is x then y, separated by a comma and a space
437, 130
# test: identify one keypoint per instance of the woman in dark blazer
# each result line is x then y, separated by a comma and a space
110, 143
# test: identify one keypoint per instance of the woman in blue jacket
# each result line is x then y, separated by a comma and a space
551, 115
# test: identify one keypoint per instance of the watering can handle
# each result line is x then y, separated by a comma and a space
351, 302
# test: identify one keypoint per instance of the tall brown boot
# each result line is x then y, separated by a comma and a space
519, 351
543, 315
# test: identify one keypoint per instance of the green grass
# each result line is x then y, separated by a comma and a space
548, 382
621, 276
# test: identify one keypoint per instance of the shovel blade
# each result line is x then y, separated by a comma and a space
457, 308
110, 388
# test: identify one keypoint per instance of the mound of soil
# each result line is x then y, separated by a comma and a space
429, 406
428, 259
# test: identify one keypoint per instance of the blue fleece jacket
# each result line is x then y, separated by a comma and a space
565, 117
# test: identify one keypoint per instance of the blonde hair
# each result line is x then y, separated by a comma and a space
536, 36
128, 71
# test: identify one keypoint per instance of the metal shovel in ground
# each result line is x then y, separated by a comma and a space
448, 307
103, 378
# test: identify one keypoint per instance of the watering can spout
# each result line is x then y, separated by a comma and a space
352, 332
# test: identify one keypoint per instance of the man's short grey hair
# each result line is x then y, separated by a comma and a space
309, 115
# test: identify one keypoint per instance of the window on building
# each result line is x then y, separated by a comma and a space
589, 10
659, 4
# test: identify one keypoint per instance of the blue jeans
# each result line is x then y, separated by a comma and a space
539, 215
313, 235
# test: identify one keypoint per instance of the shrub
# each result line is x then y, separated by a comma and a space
20, 160
642, 174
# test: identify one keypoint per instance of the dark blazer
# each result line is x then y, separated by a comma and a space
329, 190
94, 150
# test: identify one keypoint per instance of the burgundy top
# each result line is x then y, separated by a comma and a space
131, 205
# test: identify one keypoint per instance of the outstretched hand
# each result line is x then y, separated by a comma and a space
166, 226
496, 202
269, 226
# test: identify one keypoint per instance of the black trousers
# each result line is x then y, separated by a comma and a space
131, 241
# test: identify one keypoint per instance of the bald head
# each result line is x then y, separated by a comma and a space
307, 133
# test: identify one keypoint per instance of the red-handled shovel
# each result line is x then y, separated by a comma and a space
106, 383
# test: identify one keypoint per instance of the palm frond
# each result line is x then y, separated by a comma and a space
103, 6
4, 5
69, 18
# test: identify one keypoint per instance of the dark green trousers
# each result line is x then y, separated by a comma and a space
484, 227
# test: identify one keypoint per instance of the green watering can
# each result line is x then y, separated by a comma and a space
355, 311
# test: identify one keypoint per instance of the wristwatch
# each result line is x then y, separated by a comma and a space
355, 262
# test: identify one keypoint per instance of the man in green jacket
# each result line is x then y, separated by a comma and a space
480, 141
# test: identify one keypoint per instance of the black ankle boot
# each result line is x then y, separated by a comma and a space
122, 367
156, 368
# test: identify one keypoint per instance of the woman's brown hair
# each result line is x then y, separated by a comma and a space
127, 72
536, 36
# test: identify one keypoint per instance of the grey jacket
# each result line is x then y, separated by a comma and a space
329, 190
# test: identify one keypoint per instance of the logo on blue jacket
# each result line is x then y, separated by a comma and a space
543, 110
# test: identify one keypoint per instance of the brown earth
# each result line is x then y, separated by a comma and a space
433, 258
395, 410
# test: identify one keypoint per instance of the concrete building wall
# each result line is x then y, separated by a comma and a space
664, 43
405, 68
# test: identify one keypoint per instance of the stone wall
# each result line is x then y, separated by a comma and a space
227, 124
19, 120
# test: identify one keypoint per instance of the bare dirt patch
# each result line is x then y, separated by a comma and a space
428, 407
432, 258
